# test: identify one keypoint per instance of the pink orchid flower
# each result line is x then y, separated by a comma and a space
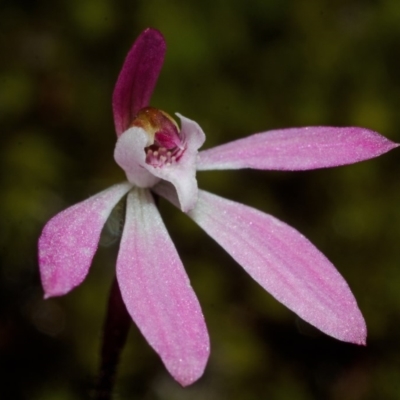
162, 158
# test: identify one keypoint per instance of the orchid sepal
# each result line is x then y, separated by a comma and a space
297, 149
157, 291
284, 263
70, 239
138, 77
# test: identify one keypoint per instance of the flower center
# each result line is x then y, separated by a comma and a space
166, 144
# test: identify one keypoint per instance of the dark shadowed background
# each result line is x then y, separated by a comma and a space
235, 67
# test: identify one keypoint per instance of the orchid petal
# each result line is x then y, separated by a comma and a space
130, 155
182, 174
138, 78
297, 149
157, 291
70, 239
285, 264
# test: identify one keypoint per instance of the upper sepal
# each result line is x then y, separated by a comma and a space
138, 77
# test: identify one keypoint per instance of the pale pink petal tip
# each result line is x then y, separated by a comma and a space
284, 263
157, 292
70, 239
297, 149
138, 77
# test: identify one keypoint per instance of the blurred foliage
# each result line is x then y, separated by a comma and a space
236, 67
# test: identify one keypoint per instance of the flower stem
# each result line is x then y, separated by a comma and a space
116, 328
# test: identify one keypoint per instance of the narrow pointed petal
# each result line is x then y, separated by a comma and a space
182, 174
157, 291
138, 77
285, 264
70, 239
297, 149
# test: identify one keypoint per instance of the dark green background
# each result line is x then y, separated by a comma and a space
236, 67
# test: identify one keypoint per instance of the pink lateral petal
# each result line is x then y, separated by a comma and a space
285, 264
138, 77
297, 149
70, 239
157, 291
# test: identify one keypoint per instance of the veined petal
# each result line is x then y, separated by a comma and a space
138, 77
182, 174
130, 155
285, 264
297, 149
157, 291
70, 239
